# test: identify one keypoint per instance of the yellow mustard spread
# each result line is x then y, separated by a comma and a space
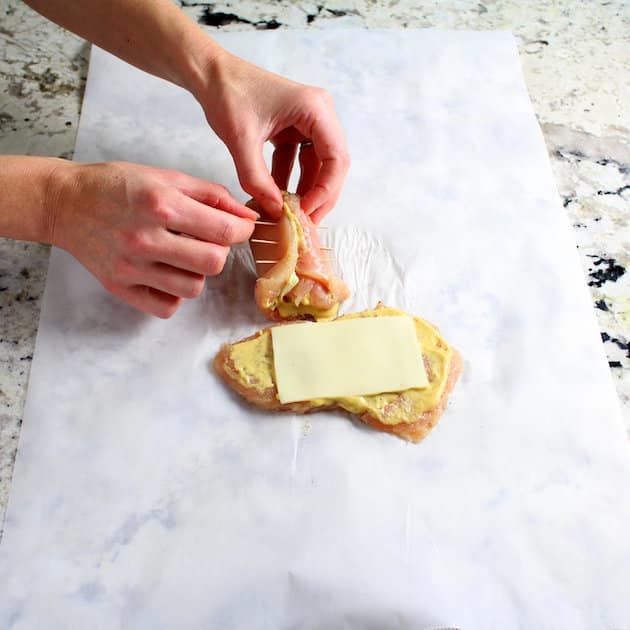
252, 364
297, 226
288, 309
252, 361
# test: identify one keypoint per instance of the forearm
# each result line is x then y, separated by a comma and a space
28, 189
153, 35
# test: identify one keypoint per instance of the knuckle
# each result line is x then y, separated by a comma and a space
216, 261
218, 190
247, 231
166, 310
215, 194
241, 133
120, 270
339, 155
110, 284
321, 96
227, 232
149, 197
116, 282
241, 230
163, 214
251, 181
324, 187
235, 128
139, 244
196, 288
154, 204
344, 159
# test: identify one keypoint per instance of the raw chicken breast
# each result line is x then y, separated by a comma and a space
295, 277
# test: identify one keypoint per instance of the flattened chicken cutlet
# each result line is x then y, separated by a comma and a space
247, 367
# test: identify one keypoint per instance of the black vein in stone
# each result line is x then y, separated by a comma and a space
219, 19
609, 271
568, 154
620, 191
622, 345
621, 167
311, 17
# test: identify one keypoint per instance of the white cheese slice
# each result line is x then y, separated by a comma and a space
349, 357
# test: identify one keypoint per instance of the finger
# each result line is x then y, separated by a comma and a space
282, 164
255, 177
288, 135
330, 148
309, 168
149, 300
209, 224
321, 212
215, 196
172, 281
324, 193
207, 259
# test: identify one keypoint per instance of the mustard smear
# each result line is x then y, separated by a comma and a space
252, 364
288, 309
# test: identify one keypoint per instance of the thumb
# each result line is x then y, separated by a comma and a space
255, 178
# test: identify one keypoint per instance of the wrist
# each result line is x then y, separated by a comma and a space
202, 62
62, 182
29, 200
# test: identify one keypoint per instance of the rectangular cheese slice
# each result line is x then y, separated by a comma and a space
351, 357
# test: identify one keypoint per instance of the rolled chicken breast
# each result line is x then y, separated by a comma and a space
295, 277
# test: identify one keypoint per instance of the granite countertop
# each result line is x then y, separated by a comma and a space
577, 69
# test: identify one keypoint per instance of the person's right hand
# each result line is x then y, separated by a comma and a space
131, 226
248, 106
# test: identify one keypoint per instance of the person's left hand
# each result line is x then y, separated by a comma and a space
150, 235
247, 106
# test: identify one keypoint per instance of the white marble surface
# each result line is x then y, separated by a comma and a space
147, 496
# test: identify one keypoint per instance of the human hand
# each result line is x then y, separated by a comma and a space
246, 106
150, 235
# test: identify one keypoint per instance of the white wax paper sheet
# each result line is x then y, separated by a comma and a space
147, 495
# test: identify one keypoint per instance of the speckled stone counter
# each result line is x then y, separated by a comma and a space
577, 68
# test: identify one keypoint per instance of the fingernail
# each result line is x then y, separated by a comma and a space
305, 206
250, 213
275, 207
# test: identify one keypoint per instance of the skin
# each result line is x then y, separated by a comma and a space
151, 235
247, 106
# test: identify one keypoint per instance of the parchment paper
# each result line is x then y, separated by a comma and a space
146, 495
